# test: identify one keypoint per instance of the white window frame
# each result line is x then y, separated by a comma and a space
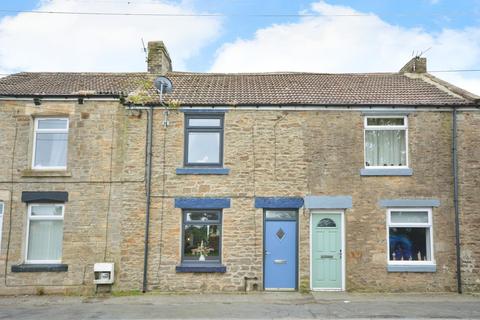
428, 224
49, 218
2, 208
36, 130
367, 127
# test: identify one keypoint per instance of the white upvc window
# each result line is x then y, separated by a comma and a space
44, 233
410, 236
50, 144
386, 142
1, 223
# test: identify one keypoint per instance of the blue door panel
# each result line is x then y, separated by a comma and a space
280, 254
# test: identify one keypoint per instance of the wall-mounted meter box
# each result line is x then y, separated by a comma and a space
104, 273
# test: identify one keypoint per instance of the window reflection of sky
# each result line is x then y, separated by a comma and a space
204, 147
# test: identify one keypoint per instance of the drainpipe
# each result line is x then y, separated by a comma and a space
455, 200
148, 191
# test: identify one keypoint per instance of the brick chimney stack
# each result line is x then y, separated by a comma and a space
158, 60
416, 65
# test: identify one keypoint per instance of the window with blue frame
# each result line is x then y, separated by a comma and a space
202, 232
204, 140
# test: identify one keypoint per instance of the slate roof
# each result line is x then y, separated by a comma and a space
283, 88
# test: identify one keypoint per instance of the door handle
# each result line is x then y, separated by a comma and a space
266, 252
340, 253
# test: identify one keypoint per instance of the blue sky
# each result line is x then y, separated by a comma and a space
426, 14
382, 41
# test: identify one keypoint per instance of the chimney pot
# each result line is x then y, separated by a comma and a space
158, 60
415, 65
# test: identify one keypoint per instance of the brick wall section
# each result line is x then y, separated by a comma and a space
469, 180
269, 153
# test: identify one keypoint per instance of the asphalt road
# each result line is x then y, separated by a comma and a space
241, 306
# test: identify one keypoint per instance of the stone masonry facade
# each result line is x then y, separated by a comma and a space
270, 153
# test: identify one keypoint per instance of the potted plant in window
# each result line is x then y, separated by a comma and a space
202, 251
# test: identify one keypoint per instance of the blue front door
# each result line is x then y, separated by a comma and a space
280, 254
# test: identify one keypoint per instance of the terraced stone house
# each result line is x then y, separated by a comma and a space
232, 182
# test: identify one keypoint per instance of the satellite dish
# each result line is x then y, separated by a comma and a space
163, 85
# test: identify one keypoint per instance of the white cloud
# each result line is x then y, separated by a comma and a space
350, 44
48, 42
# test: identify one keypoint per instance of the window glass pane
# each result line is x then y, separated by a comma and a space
51, 210
279, 214
201, 242
201, 122
202, 216
51, 150
385, 121
409, 217
45, 240
52, 123
385, 148
410, 244
326, 223
203, 147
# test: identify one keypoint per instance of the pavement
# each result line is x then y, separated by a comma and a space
244, 306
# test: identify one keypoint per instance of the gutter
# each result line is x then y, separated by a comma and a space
62, 96
148, 187
455, 200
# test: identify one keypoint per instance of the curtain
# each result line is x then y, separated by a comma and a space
45, 240
385, 148
51, 149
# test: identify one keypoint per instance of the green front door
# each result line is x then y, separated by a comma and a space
326, 251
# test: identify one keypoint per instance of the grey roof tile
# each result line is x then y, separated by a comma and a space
284, 88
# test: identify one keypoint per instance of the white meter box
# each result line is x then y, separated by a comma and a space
104, 273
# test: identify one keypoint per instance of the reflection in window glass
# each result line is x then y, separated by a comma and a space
281, 214
201, 236
204, 147
409, 217
47, 210
385, 121
202, 122
202, 216
204, 140
409, 244
52, 123
326, 223
51, 140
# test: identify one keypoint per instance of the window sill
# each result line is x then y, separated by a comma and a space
201, 268
40, 268
412, 268
46, 173
386, 172
199, 171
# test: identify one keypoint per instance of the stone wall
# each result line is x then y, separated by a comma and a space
104, 181
275, 153
269, 153
469, 190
